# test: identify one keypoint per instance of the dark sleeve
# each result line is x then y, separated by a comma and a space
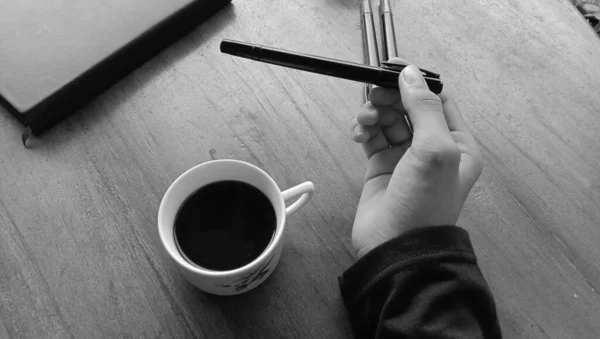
423, 284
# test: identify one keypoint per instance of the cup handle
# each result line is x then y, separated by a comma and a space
307, 189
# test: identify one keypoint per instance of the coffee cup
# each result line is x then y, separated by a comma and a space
240, 279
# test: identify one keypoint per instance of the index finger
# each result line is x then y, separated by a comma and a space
453, 117
382, 96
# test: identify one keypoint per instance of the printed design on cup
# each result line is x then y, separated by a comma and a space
256, 275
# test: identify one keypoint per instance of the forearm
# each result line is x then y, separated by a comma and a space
424, 284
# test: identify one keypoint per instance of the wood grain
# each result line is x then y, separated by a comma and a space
80, 254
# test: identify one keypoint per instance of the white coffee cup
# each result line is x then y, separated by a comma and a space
247, 277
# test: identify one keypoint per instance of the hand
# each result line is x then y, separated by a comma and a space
415, 180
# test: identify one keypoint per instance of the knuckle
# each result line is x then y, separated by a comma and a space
446, 98
449, 100
437, 154
478, 164
367, 108
428, 100
384, 96
375, 95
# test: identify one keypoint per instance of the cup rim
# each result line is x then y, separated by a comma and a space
178, 257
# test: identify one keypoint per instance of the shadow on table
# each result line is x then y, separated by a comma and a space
271, 311
109, 101
250, 312
275, 309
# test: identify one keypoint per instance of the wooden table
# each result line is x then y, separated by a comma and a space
80, 254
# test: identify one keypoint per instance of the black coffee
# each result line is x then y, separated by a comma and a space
225, 225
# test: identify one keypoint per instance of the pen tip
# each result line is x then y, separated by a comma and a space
229, 46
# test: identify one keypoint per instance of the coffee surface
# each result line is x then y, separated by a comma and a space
225, 225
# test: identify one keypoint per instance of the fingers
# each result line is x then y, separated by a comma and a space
376, 144
454, 119
389, 120
385, 96
362, 133
398, 133
381, 96
371, 114
372, 138
457, 126
382, 163
423, 107
471, 163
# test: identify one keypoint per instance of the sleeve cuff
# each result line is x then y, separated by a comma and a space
416, 243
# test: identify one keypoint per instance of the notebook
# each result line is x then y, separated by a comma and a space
57, 55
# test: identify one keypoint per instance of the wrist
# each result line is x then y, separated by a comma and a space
406, 234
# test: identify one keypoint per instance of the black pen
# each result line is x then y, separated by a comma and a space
384, 76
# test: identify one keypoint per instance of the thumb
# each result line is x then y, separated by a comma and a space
423, 107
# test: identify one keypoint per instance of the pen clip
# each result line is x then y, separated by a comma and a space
399, 67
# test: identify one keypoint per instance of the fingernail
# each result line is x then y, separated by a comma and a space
358, 132
361, 134
412, 76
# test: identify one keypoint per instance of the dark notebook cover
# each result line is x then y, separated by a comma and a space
55, 56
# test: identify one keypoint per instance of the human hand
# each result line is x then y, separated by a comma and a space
415, 180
